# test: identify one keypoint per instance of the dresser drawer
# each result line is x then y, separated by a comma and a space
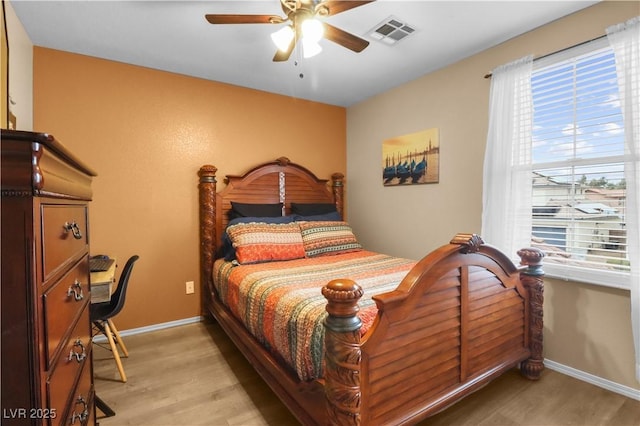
64, 235
81, 411
75, 355
62, 303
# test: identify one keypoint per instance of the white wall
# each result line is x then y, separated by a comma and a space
20, 70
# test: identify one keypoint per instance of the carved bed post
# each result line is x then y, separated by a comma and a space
532, 279
207, 194
337, 187
342, 347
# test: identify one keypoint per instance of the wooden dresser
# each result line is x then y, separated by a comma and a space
47, 375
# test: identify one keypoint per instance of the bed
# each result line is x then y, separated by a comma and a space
372, 339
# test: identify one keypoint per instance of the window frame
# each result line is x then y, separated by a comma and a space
568, 272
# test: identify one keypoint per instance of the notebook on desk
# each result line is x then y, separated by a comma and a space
100, 264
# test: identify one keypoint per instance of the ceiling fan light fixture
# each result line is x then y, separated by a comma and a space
312, 30
283, 38
310, 48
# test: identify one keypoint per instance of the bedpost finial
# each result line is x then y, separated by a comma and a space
470, 242
207, 173
283, 161
531, 257
343, 296
342, 306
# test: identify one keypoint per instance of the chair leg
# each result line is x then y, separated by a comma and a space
114, 349
102, 406
116, 333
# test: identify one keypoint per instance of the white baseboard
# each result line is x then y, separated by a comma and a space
594, 380
155, 327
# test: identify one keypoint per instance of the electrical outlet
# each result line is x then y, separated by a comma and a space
190, 287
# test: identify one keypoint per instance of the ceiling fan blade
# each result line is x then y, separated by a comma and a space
281, 56
244, 19
335, 7
344, 38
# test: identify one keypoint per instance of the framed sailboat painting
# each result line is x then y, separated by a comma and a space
411, 159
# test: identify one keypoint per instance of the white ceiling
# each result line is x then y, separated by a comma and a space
174, 36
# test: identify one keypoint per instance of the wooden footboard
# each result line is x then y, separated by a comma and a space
464, 315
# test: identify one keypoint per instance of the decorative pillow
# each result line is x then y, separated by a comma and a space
325, 238
227, 251
333, 217
254, 210
266, 242
312, 209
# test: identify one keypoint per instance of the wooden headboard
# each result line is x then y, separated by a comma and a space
279, 181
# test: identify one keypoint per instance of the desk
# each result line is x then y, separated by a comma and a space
102, 284
101, 289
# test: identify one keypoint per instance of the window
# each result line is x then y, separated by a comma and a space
577, 155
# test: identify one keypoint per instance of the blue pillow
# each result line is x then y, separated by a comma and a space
312, 209
227, 251
255, 210
333, 217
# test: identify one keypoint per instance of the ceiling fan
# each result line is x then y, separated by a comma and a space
302, 23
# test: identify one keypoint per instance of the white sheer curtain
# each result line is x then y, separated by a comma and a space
625, 42
506, 199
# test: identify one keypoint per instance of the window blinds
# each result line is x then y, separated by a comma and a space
579, 191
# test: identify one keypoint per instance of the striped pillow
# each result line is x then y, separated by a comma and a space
325, 238
257, 242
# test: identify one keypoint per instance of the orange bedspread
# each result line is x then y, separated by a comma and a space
281, 303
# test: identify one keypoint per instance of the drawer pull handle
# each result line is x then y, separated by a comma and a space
76, 290
74, 228
84, 414
79, 356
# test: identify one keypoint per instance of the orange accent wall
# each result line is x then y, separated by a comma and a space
146, 133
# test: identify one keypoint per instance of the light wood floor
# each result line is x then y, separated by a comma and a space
193, 375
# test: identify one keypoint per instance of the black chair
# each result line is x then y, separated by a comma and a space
101, 314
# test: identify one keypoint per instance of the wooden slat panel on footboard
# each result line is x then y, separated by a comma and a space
421, 361
496, 320
465, 324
